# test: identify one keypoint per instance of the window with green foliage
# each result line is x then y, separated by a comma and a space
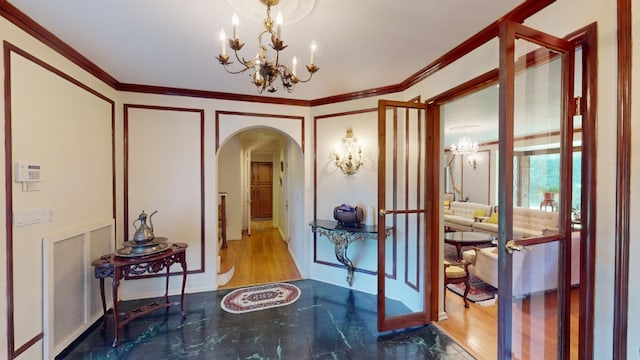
545, 175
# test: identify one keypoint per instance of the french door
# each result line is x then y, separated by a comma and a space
408, 173
535, 264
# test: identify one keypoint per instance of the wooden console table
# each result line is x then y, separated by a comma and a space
343, 236
119, 268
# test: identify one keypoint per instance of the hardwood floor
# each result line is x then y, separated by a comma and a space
261, 258
475, 328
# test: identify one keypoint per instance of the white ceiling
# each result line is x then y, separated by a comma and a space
362, 44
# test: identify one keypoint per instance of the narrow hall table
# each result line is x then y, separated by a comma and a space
342, 236
119, 268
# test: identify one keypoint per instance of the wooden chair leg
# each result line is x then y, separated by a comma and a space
466, 292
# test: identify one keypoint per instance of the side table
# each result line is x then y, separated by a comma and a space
342, 236
118, 268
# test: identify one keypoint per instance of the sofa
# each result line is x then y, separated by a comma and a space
526, 223
534, 269
461, 216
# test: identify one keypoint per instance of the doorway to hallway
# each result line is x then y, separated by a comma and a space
260, 170
262, 257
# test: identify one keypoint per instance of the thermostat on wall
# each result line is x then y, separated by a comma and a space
27, 172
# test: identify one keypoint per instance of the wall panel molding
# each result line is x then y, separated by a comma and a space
8, 49
200, 114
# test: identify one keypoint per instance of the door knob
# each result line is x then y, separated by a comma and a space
382, 212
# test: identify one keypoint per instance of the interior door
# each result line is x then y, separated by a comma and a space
407, 182
534, 234
261, 189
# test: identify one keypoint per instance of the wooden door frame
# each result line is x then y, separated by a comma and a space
509, 67
431, 201
585, 39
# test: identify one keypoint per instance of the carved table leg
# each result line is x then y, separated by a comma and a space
166, 288
116, 313
459, 250
104, 305
183, 263
341, 255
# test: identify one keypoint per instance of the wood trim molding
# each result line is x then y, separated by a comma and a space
162, 90
36, 30
623, 181
519, 14
8, 48
261, 115
587, 38
126, 108
8, 160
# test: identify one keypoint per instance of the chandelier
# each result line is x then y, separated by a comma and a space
265, 71
464, 146
349, 157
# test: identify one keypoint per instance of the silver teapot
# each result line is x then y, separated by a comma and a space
143, 232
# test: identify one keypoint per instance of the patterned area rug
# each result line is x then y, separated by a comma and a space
260, 297
480, 292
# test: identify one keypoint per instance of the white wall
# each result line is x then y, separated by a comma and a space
229, 173
66, 128
334, 188
297, 229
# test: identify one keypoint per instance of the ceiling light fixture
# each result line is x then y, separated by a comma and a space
464, 146
265, 71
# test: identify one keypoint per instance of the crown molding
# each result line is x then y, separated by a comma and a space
519, 14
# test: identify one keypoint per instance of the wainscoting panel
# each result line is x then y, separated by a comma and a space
71, 293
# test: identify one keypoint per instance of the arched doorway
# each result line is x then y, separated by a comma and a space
265, 166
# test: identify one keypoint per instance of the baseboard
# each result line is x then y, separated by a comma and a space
295, 261
283, 235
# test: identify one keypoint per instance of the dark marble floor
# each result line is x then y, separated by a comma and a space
327, 322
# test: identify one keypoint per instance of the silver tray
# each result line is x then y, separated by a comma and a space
139, 251
156, 240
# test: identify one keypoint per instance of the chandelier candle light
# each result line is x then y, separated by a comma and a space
349, 158
265, 71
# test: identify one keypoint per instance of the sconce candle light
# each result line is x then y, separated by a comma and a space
473, 163
349, 157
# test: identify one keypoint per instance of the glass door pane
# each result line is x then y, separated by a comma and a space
535, 202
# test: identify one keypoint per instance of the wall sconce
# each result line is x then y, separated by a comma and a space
349, 157
473, 163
